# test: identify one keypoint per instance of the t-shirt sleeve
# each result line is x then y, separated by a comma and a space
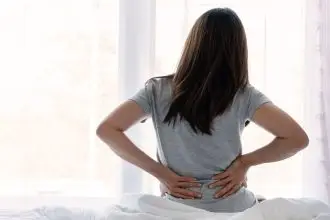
143, 99
252, 100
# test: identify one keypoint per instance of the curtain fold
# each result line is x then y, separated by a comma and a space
136, 60
324, 25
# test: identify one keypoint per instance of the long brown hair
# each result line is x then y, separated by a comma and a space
212, 68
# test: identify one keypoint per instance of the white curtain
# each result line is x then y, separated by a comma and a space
317, 157
65, 64
325, 88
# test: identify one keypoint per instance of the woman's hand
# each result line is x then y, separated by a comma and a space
231, 180
177, 186
163, 189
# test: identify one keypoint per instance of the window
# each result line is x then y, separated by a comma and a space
60, 70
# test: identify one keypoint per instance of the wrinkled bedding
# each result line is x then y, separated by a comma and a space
148, 207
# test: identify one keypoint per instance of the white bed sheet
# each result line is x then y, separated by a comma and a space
147, 207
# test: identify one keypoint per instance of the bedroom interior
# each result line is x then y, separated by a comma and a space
65, 64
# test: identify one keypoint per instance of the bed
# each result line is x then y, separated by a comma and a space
148, 207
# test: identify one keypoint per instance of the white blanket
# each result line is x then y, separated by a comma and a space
147, 207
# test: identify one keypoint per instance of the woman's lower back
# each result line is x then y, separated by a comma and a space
238, 202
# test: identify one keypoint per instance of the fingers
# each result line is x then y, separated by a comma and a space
224, 190
232, 191
221, 175
188, 184
187, 193
221, 182
180, 188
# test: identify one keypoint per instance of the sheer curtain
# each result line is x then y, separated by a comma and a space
317, 157
325, 78
66, 64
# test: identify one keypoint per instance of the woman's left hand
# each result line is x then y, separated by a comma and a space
231, 180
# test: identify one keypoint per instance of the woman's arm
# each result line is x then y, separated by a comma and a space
289, 139
111, 131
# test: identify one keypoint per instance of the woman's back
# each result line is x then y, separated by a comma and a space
197, 155
199, 114
201, 155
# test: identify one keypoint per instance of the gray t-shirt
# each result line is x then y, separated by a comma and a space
191, 154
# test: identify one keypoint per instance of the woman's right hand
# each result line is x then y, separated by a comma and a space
178, 186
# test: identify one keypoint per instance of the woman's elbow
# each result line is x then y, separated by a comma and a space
100, 130
106, 130
103, 130
305, 140
301, 139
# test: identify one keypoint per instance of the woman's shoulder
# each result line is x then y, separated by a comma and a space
248, 99
160, 84
159, 80
247, 92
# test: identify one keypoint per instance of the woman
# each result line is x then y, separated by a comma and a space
199, 114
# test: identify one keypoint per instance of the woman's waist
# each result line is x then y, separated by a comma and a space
236, 202
208, 193
242, 198
201, 173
